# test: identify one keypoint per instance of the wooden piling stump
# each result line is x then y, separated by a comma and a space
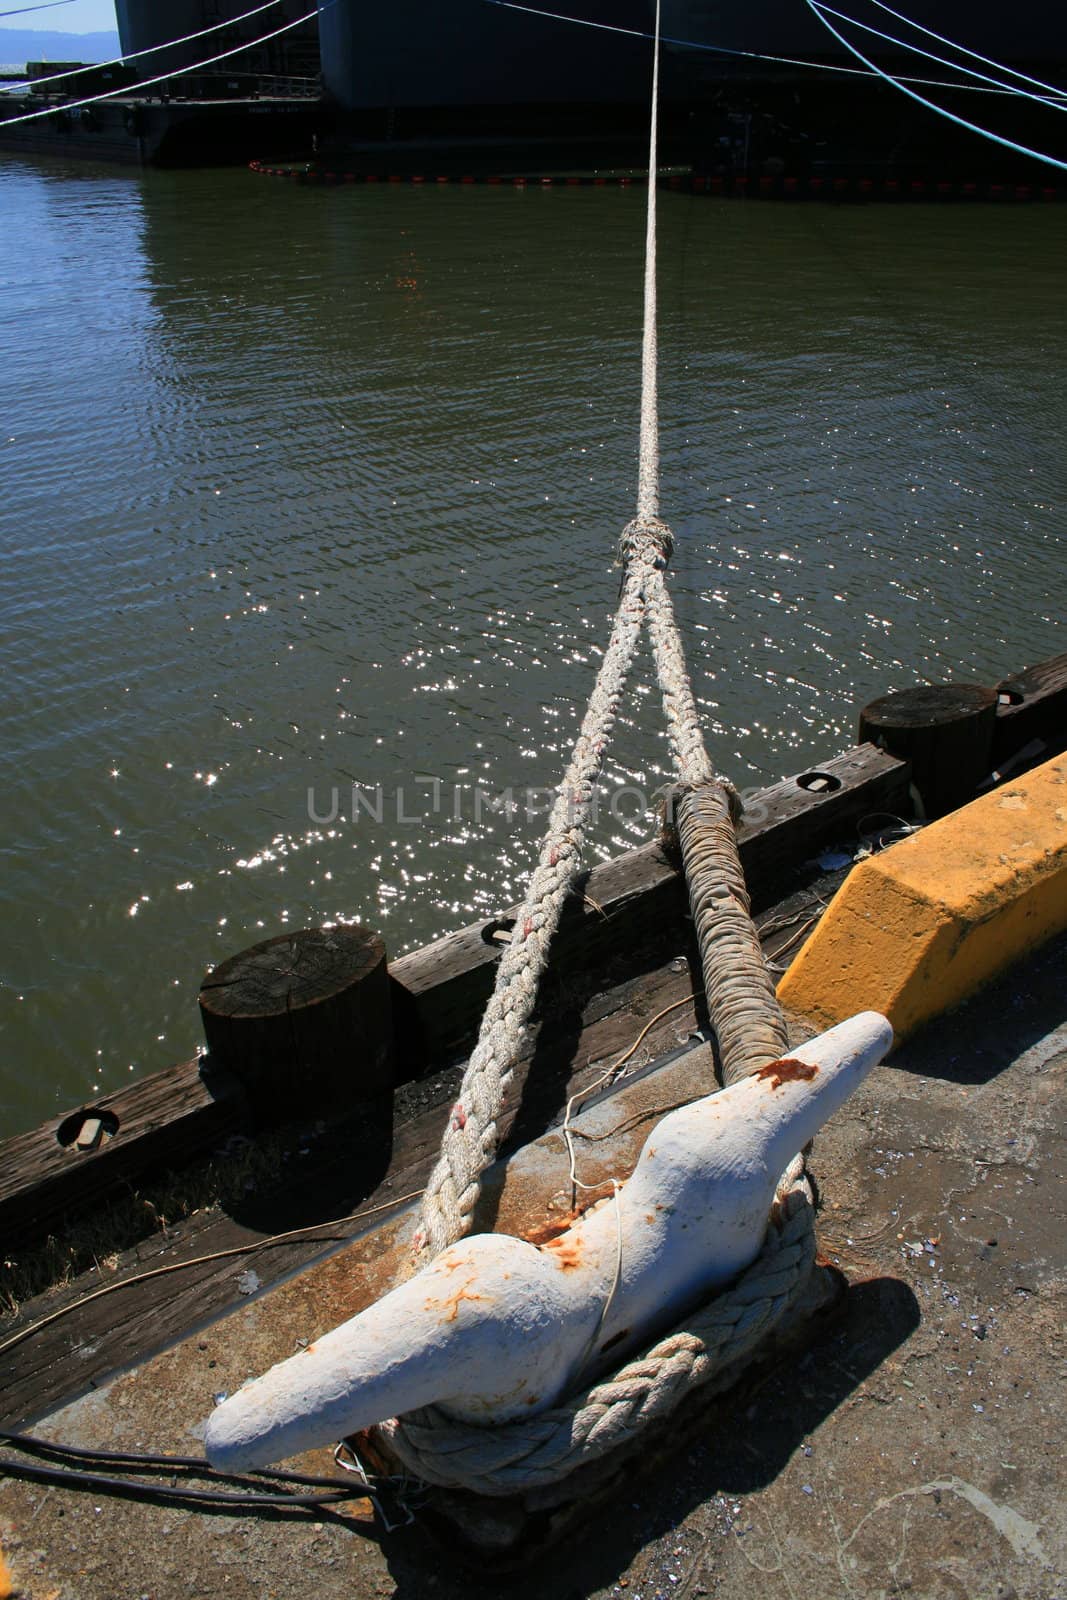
944, 730
303, 1021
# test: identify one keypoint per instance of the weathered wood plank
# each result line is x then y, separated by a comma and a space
1033, 705
163, 1120
790, 822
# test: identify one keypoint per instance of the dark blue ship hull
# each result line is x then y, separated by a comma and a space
429, 55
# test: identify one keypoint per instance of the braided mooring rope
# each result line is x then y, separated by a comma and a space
470, 1140
611, 1417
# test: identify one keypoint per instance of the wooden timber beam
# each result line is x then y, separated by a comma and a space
1033, 705
156, 1124
439, 992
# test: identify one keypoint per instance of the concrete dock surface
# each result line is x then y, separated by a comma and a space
916, 1447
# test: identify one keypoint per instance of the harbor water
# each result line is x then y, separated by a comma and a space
307, 526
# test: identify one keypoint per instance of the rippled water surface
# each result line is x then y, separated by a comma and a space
307, 489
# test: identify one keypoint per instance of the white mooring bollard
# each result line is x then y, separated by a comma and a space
496, 1328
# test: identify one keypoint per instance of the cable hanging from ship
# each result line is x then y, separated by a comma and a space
818, 11
162, 77
1055, 102
988, 61
791, 61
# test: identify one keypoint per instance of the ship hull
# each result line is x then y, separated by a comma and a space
148, 29
422, 55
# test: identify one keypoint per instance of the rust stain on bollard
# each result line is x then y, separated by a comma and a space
566, 1253
787, 1070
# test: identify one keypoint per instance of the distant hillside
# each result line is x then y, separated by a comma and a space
19, 45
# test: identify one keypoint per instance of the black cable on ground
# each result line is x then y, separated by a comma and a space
263, 1493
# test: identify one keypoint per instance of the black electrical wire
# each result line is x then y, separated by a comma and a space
131, 1488
327, 1491
134, 1458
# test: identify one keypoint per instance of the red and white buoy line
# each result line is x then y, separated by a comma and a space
309, 173
736, 187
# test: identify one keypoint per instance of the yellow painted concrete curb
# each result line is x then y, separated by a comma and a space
918, 928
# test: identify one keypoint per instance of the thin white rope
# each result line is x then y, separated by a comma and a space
974, 54
609, 1075
616, 1278
920, 50
931, 105
145, 83
648, 458
134, 55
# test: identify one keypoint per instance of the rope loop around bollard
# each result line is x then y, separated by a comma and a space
611, 1418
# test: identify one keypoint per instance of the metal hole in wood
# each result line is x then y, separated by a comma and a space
86, 1130
819, 782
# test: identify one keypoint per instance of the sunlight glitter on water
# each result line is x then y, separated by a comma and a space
274, 524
